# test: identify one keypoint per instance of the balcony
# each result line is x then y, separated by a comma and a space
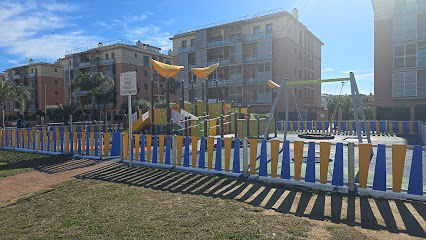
6, 79
16, 76
84, 64
258, 36
218, 43
262, 98
256, 59
68, 67
31, 86
221, 82
261, 77
192, 66
186, 49
220, 61
31, 75
106, 61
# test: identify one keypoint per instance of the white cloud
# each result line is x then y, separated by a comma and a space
152, 35
37, 30
327, 70
364, 76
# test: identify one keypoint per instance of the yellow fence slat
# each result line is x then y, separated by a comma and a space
253, 155
148, 147
411, 127
228, 144
179, 150
291, 126
390, 127
378, 127
398, 161
126, 144
298, 156
51, 141
305, 126
400, 129
323, 126
364, 163
161, 146
194, 140
210, 146
275, 150
339, 127
324, 160
350, 127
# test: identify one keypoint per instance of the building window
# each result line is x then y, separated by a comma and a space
269, 27
106, 56
145, 86
56, 81
300, 74
255, 52
404, 84
183, 44
167, 62
256, 30
56, 92
136, 55
56, 70
193, 42
145, 73
113, 55
146, 61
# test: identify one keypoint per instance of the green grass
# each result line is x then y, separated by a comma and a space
13, 162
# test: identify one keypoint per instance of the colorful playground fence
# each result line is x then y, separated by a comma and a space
380, 167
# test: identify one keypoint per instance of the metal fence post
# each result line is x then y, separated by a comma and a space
245, 157
236, 125
221, 126
351, 167
37, 140
101, 144
174, 150
386, 127
121, 147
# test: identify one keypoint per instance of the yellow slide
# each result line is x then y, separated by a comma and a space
139, 125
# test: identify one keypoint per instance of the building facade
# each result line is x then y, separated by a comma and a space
45, 81
251, 50
112, 59
399, 53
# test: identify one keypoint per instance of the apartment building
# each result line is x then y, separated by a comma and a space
399, 53
45, 81
113, 58
250, 50
2, 77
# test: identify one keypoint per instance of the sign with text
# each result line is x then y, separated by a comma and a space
128, 84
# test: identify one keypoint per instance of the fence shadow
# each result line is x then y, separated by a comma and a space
370, 213
67, 166
38, 162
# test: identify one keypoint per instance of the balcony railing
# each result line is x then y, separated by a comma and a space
68, 67
186, 49
17, 76
258, 36
262, 77
192, 66
84, 64
256, 58
106, 61
220, 82
31, 74
220, 61
262, 98
218, 43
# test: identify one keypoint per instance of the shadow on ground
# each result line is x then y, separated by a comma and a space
377, 214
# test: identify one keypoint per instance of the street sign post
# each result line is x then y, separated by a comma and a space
128, 87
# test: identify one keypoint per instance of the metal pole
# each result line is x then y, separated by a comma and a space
221, 127
351, 167
361, 107
207, 95
286, 112
205, 126
271, 112
355, 109
152, 104
245, 158
202, 90
236, 125
217, 90
168, 104
183, 93
129, 98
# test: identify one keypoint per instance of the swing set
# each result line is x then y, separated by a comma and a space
356, 102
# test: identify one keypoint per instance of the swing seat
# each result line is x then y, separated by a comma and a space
318, 136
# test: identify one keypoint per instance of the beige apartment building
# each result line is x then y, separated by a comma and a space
113, 58
250, 50
45, 81
399, 54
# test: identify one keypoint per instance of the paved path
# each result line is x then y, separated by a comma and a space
26, 183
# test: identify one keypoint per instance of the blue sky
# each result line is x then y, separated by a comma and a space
46, 29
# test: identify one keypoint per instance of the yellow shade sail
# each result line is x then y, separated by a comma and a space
166, 70
204, 72
272, 84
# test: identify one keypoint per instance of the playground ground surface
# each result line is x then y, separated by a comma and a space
110, 200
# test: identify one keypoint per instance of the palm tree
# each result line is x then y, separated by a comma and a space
94, 85
13, 91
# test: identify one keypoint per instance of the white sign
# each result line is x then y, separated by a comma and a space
145, 116
134, 117
178, 118
128, 84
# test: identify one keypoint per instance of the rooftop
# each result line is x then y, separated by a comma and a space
31, 61
100, 45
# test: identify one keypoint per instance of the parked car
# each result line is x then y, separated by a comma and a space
19, 124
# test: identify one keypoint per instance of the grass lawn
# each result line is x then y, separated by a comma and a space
94, 209
13, 162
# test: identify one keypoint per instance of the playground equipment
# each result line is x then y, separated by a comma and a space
356, 102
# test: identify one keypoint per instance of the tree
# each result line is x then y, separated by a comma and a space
59, 112
95, 85
13, 91
345, 103
174, 87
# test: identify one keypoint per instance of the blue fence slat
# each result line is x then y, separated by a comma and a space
382, 126
309, 126
405, 127
279, 126
115, 147
416, 127
335, 126
302, 126
395, 127
310, 164
415, 185
372, 126
295, 126
380, 170
218, 163
79, 143
343, 126
319, 125
154, 149
285, 164
142, 156
354, 126
202, 157
337, 179
236, 162
168, 150
263, 165
327, 126
61, 134
186, 153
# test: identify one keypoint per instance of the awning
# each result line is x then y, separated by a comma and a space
166, 70
205, 71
